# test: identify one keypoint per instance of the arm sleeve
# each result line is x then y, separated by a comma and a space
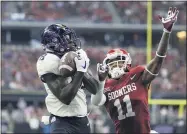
99, 98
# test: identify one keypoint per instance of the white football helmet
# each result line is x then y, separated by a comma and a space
118, 61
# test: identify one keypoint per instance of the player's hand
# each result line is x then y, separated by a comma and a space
170, 20
82, 61
82, 53
102, 71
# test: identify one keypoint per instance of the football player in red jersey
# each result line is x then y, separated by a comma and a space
124, 89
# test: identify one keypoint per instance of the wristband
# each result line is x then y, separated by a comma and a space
165, 30
150, 72
161, 56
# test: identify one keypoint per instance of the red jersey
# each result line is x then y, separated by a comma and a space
127, 102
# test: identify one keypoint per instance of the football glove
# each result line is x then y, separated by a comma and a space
170, 20
82, 61
102, 71
82, 53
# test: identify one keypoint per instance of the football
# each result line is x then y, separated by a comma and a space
67, 66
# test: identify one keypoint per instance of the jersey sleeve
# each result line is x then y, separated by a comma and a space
48, 63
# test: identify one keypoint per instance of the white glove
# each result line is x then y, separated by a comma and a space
102, 68
82, 53
102, 71
82, 61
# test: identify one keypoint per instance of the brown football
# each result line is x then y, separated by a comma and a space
67, 66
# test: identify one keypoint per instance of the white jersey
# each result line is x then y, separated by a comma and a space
49, 63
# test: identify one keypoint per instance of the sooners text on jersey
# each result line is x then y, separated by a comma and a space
127, 102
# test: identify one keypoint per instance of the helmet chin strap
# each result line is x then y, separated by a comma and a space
117, 72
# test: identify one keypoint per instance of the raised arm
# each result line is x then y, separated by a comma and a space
99, 98
153, 67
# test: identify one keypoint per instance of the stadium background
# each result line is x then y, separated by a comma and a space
101, 26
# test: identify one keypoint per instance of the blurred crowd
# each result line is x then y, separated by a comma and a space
57, 10
23, 118
19, 68
98, 12
136, 12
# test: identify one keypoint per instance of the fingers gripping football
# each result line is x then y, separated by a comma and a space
82, 61
102, 71
170, 20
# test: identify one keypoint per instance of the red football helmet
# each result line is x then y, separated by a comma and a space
118, 61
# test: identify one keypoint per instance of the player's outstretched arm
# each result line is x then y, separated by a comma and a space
90, 83
153, 67
99, 98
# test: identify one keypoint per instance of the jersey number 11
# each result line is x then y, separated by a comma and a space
129, 113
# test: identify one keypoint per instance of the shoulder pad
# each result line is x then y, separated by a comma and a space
48, 63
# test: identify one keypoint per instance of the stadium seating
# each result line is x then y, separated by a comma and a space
97, 12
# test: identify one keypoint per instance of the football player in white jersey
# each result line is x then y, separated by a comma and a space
66, 100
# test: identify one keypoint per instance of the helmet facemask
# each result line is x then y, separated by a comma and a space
60, 39
116, 69
70, 40
118, 66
